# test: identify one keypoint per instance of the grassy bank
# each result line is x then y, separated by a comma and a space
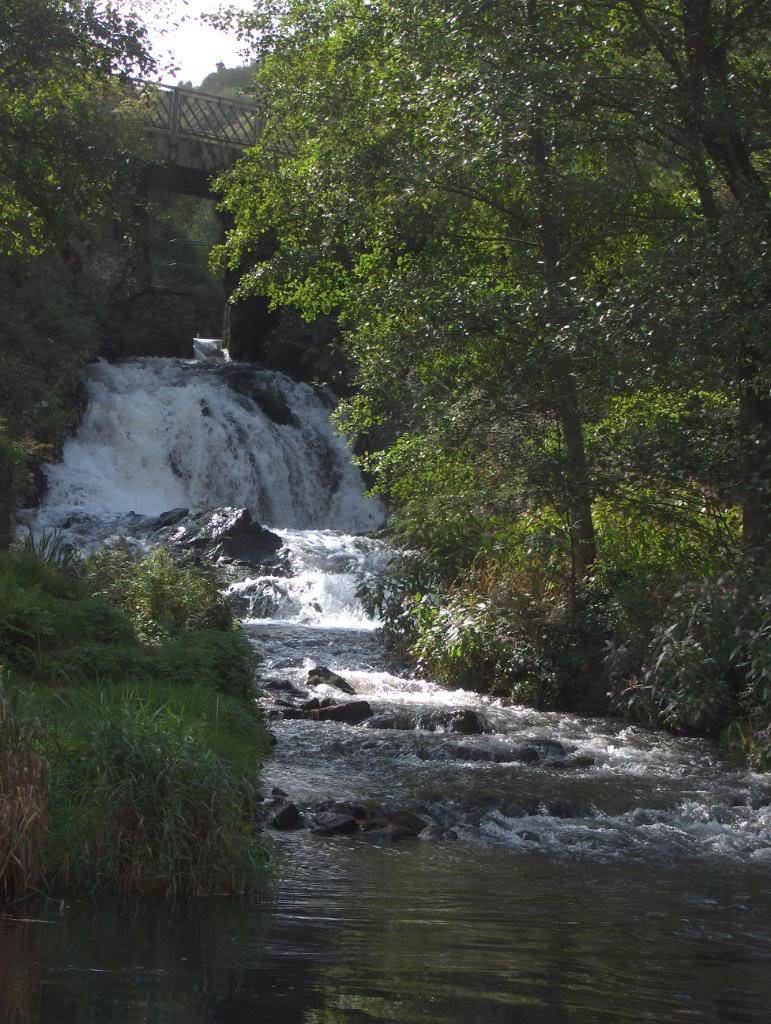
130, 745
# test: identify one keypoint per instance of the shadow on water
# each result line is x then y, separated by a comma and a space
420, 934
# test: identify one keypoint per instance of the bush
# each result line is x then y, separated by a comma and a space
55, 631
708, 663
496, 628
160, 596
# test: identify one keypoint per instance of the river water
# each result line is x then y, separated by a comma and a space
605, 874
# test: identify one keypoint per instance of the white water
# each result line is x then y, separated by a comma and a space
164, 433
160, 434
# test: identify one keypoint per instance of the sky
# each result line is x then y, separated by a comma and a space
195, 48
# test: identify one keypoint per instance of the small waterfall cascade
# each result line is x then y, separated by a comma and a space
554, 865
164, 433
160, 437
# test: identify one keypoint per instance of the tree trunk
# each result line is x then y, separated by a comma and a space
755, 427
5, 505
579, 496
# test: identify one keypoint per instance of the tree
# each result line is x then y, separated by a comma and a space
688, 88
65, 145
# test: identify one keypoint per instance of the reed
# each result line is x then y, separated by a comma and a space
23, 803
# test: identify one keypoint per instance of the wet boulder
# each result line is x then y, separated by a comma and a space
579, 761
170, 518
548, 749
352, 713
328, 823
253, 385
286, 817
389, 720
324, 675
229, 533
281, 686
469, 723
525, 753
406, 819
292, 713
465, 722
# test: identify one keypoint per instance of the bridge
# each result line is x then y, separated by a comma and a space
196, 135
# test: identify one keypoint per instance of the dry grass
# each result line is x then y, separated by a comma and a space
23, 804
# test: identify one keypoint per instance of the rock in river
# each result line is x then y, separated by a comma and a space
320, 674
330, 824
352, 713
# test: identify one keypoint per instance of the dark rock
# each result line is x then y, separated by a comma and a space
432, 832
295, 713
311, 705
469, 723
170, 518
465, 722
277, 792
406, 819
352, 810
230, 533
330, 824
271, 402
527, 752
273, 739
390, 721
579, 761
286, 817
467, 752
320, 674
282, 686
352, 713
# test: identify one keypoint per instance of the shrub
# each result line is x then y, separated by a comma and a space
53, 630
708, 663
161, 596
497, 628
225, 660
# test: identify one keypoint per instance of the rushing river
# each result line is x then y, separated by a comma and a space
572, 869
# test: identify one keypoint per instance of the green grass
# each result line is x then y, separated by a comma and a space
142, 723
152, 789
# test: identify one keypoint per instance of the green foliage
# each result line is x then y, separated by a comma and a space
161, 596
544, 229
709, 662
66, 125
152, 789
145, 755
48, 331
151, 619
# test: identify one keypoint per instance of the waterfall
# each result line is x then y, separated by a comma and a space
164, 433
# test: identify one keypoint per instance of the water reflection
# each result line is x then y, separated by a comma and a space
416, 934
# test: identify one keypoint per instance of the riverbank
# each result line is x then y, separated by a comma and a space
131, 745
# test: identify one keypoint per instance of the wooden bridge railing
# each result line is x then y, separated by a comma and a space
186, 114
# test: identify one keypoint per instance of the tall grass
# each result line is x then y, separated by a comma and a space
23, 804
152, 789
